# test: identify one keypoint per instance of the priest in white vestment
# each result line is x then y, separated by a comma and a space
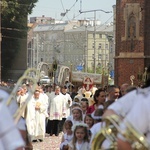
67, 104
36, 115
56, 110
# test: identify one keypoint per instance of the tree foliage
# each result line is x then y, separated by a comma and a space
14, 28
13, 7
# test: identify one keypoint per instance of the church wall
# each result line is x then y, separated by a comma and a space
132, 39
147, 28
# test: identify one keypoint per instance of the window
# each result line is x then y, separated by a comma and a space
100, 36
99, 56
99, 64
106, 46
93, 35
106, 57
99, 46
45, 77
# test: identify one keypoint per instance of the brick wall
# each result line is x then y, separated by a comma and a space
147, 27
128, 67
125, 66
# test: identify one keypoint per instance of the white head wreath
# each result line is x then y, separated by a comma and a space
96, 117
79, 125
76, 108
76, 103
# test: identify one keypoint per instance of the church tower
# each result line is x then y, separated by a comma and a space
132, 54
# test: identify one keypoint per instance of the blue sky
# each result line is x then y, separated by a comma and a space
53, 8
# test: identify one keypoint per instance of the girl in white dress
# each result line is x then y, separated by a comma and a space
77, 115
80, 139
67, 136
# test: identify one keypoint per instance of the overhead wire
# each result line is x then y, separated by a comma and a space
53, 27
76, 42
97, 27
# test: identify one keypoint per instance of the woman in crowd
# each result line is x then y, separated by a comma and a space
99, 98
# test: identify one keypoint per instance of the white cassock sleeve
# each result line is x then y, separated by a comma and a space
10, 137
94, 130
139, 116
13, 106
21, 124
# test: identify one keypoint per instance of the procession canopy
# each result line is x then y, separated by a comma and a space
81, 76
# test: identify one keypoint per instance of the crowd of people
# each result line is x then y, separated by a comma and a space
77, 115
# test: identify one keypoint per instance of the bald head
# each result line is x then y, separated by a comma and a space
123, 88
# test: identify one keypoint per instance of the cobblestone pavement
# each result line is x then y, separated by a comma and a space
49, 143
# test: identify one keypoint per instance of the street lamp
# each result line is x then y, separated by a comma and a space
86, 50
94, 63
54, 68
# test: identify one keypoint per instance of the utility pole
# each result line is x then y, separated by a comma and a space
34, 47
86, 50
94, 29
37, 49
31, 52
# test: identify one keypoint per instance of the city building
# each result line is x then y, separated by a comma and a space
84, 43
78, 43
30, 41
48, 42
42, 20
100, 46
75, 43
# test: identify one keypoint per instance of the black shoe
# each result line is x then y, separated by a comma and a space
56, 134
40, 140
34, 141
51, 134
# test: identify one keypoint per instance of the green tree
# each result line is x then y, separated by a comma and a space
14, 29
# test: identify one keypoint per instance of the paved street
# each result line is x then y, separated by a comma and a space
49, 143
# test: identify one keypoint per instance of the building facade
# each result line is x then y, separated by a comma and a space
132, 40
74, 44
48, 43
100, 47
42, 20
86, 46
